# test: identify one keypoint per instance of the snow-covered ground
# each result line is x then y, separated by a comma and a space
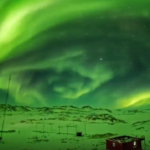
55, 128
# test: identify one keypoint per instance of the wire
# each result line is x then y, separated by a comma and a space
5, 107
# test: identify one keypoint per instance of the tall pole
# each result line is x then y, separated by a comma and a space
76, 128
59, 129
43, 126
3, 122
36, 127
144, 143
67, 129
85, 128
51, 127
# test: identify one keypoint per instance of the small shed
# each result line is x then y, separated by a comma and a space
124, 143
79, 134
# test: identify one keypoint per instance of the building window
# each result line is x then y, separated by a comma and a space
113, 144
134, 143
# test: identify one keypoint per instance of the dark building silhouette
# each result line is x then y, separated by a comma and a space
79, 134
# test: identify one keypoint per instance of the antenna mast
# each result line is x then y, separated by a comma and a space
144, 143
3, 122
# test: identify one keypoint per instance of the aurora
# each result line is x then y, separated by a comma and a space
75, 52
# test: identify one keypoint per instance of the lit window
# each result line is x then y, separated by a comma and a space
134, 143
113, 144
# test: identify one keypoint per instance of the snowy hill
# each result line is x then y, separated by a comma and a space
56, 126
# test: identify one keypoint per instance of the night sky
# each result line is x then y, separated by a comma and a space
75, 52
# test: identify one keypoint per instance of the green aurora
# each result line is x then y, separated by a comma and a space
75, 52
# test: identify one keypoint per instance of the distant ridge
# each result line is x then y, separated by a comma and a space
87, 107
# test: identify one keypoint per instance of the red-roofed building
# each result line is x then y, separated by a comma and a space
124, 143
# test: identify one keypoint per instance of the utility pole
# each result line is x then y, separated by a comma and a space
85, 129
36, 127
144, 143
76, 128
67, 129
51, 126
43, 126
59, 129
3, 122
